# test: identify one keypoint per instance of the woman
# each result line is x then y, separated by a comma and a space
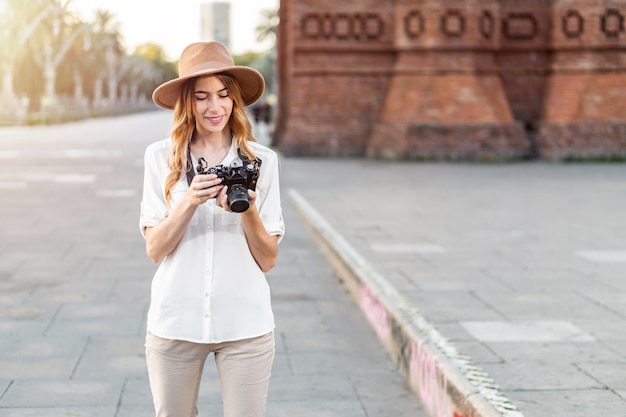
209, 293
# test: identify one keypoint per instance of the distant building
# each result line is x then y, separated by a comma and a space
215, 22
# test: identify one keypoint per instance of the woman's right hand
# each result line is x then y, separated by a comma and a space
163, 238
204, 187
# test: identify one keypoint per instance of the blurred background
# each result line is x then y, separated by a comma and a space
414, 79
65, 60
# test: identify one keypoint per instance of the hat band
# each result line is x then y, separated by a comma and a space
211, 66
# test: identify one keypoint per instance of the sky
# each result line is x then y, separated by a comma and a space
174, 24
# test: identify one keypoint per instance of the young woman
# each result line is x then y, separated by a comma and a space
209, 293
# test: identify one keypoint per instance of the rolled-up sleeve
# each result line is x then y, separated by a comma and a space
153, 204
270, 209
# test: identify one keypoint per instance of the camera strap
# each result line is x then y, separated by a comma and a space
245, 160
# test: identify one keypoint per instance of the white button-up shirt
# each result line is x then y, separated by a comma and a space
210, 289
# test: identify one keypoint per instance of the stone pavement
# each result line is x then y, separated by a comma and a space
499, 289
74, 289
493, 286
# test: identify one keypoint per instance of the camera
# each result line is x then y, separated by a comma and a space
238, 176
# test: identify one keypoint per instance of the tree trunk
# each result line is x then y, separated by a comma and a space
97, 94
7, 85
113, 90
78, 86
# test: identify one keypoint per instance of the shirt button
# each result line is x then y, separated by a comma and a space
209, 227
206, 294
206, 316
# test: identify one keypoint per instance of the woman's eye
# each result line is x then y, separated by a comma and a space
205, 97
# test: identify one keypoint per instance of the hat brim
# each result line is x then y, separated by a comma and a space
250, 80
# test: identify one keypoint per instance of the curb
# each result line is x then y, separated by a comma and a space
447, 383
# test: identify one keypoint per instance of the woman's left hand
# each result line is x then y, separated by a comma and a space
264, 247
222, 198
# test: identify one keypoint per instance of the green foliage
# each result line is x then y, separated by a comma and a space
249, 58
263, 62
266, 29
151, 52
46, 36
51, 53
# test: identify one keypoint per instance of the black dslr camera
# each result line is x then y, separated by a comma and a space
239, 177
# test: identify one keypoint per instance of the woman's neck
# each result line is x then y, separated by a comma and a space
213, 147
212, 142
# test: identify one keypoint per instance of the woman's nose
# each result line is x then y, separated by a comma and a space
212, 103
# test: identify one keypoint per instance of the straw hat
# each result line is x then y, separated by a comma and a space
205, 58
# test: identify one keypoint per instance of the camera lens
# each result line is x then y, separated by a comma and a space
238, 198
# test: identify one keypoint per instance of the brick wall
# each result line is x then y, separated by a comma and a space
334, 69
461, 79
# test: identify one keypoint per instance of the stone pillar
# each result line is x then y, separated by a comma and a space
335, 61
446, 99
584, 115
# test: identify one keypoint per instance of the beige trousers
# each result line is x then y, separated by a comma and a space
175, 370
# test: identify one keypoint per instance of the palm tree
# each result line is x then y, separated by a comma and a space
108, 53
266, 29
152, 67
18, 22
50, 43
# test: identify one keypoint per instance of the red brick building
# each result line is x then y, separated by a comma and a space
453, 79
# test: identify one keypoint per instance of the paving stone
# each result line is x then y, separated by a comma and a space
538, 376
317, 408
526, 331
569, 403
30, 368
95, 366
612, 375
61, 393
556, 352
59, 411
444, 306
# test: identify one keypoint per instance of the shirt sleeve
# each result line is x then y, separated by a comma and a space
270, 209
153, 205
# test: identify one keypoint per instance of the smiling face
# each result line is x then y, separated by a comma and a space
212, 105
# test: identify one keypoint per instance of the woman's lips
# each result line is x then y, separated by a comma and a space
215, 120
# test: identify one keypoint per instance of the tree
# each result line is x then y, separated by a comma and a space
50, 42
266, 29
18, 21
151, 52
49, 51
149, 68
108, 52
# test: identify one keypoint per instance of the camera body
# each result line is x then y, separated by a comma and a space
238, 176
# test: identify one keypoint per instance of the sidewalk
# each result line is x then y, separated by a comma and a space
74, 289
497, 288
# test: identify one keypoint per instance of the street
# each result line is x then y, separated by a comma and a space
75, 281
517, 267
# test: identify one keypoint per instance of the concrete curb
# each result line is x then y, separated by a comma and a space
448, 384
